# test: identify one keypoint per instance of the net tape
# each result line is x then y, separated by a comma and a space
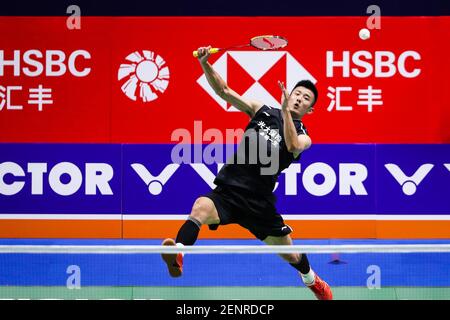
230, 249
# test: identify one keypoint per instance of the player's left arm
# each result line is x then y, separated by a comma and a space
304, 142
295, 143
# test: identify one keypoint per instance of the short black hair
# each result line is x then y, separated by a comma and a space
308, 85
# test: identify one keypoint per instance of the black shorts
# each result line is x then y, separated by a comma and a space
255, 213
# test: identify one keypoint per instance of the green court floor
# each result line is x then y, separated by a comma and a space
222, 293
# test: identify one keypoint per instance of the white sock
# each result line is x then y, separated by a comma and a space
308, 279
180, 245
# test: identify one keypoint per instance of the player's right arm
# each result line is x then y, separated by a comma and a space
222, 89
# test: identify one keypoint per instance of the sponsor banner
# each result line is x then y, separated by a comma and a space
134, 179
71, 179
134, 80
154, 184
234, 8
329, 179
413, 179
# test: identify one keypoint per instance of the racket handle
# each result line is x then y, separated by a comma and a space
211, 51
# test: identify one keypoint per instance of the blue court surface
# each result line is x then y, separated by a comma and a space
226, 271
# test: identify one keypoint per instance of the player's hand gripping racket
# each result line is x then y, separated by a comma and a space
261, 42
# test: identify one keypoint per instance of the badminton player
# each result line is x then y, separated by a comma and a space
244, 193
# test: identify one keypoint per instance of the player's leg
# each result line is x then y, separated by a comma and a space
300, 262
203, 212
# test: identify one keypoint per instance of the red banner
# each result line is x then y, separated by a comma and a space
135, 80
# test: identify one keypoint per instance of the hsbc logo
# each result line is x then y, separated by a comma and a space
51, 63
254, 75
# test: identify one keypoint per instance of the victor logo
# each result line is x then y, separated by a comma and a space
63, 178
409, 183
348, 179
155, 183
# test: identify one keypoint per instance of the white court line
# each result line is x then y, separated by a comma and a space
15, 216
166, 217
371, 217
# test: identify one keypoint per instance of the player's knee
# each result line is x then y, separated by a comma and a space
201, 210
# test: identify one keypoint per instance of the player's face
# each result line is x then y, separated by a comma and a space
301, 101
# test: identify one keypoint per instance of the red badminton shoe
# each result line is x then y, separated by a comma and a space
321, 289
174, 261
